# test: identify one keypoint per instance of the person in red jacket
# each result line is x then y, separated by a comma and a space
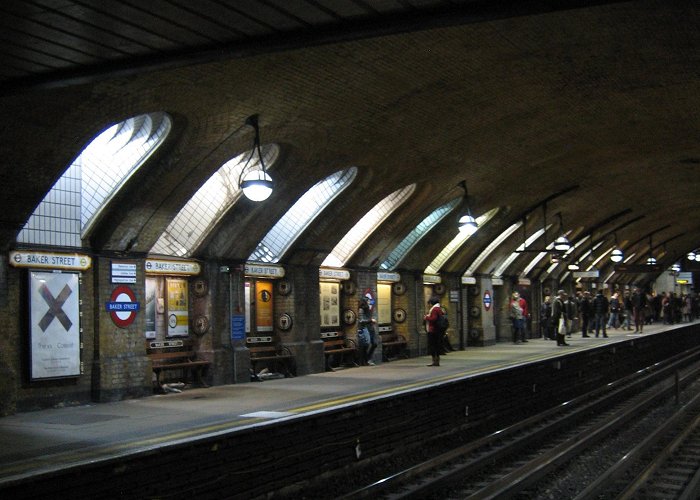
434, 335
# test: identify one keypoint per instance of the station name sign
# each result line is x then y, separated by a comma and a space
264, 270
432, 278
327, 273
388, 277
586, 274
50, 260
180, 267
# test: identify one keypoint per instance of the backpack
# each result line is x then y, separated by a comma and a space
442, 322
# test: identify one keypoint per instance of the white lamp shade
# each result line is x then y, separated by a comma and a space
691, 256
573, 266
257, 185
651, 261
562, 244
467, 224
617, 255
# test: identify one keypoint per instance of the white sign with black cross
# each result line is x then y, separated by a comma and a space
54, 324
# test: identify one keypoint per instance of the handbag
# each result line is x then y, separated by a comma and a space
363, 337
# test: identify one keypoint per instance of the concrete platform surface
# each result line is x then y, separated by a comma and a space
42, 441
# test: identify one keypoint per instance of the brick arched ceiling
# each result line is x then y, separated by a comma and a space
519, 102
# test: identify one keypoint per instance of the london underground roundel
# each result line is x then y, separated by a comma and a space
487, 300
123, 306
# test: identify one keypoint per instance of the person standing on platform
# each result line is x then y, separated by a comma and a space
613, 322
546, 318
434, 331
559, 317
586, 313
571, 309
367, 321
627, 304
600, 311
518, 313
639, 302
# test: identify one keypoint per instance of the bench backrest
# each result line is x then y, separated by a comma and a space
171, 354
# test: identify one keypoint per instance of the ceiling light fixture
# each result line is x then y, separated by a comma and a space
562, 244
651, 260
256, 184
467, 223
617, 254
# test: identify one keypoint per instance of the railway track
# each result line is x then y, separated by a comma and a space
512, 462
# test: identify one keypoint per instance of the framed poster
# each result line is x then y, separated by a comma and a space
263, 306
178, 316
330, 305
151, 288
54, 311
384, 303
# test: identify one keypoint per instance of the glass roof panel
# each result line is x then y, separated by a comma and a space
70, 208
352, 241
206, 207
456, 243
283, 234
402, 249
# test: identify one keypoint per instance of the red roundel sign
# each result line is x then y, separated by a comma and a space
122, 306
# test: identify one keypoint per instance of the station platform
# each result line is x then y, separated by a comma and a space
48, 440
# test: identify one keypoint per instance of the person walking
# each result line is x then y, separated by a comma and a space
639, 302
600, 310
586, 313
434, 333
559, 317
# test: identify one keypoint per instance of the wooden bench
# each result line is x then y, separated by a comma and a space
166, 359
336, 347
393, 345
274, 356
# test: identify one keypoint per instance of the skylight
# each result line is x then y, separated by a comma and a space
206, 207
410, 241
303, 212
456, 243
352, 241
70, 208
491, 248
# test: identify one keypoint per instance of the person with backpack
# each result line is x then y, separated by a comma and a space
435, 329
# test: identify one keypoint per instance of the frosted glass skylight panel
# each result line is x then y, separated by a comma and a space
206, 207
368, 224
114, 156
300, 215
514, 255
456, 243
417, 233
491, 248
65, 214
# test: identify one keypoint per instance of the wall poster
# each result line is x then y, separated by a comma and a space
263, 306
151, 288
178, 317
384, 303
330, 307
55, 324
